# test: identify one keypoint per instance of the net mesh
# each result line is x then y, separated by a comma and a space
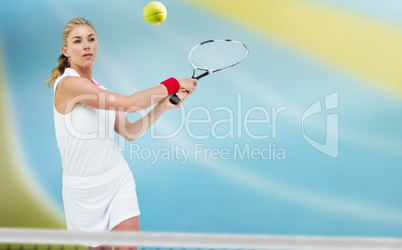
14, 246
218, 54
15, 239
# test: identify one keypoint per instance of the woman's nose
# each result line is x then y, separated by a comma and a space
86, 45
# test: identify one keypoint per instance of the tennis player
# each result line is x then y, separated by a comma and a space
98, 187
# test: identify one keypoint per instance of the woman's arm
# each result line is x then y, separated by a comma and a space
133, 130
72, 91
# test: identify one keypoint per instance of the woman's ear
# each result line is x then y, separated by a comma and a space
64, 50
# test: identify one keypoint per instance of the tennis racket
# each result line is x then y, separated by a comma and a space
212, 56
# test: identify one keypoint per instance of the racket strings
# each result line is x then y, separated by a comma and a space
218, 55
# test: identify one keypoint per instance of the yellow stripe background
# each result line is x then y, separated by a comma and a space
20, 205
354, 43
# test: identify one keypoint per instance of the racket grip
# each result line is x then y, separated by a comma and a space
174, 99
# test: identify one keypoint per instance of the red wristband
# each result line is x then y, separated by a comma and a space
172, 85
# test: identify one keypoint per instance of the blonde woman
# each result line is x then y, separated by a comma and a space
98, 186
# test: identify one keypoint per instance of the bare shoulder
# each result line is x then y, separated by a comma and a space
72, 85
67, 91
73, 82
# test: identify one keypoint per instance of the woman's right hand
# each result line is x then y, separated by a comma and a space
182, 94
188, 84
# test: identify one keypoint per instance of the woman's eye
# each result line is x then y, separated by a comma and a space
92, 39
77, 41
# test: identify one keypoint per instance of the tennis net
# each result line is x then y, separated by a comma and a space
36, 239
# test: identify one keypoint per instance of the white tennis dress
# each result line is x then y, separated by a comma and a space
98, 186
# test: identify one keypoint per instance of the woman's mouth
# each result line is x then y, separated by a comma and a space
88, 55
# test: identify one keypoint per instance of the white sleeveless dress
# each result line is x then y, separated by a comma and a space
98, 186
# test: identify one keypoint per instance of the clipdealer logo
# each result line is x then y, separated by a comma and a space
201, 151
257, 123
331, 145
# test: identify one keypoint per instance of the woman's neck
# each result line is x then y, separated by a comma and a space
85, 72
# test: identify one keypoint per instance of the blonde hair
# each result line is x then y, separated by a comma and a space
63, 60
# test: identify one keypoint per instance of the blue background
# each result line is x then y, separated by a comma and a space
308, 193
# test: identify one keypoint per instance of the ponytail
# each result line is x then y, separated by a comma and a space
58, 71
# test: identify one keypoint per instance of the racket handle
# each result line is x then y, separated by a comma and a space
174, 99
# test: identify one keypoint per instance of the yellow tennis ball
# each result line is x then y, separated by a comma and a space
155, 13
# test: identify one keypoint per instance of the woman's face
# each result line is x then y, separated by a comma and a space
82, 46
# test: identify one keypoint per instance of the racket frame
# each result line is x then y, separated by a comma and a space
174, 98
210, 71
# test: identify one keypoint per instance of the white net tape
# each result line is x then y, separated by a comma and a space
199, 241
